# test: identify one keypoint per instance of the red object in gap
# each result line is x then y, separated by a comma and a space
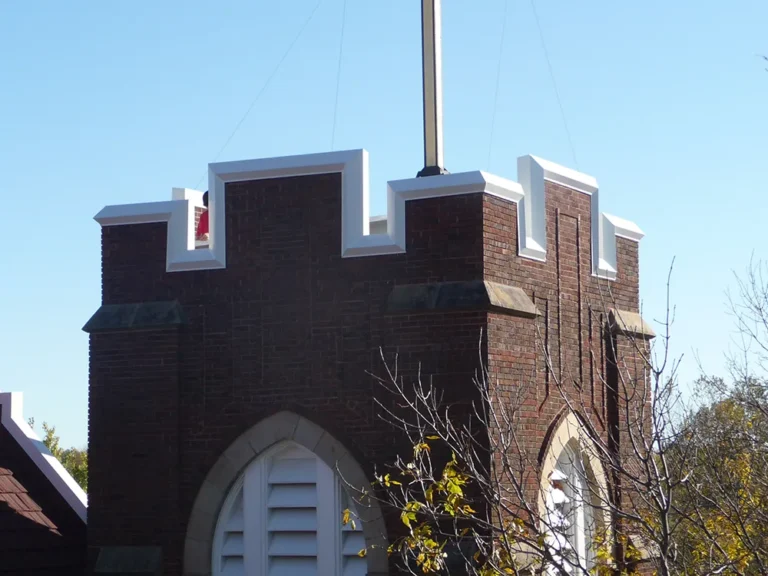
202, 225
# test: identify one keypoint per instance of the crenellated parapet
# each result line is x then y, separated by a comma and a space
363, 236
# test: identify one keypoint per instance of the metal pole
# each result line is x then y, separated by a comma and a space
433, 88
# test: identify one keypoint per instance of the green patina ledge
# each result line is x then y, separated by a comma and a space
129, 560
136, 316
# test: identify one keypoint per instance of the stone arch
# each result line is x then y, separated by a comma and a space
279, 427
569, 433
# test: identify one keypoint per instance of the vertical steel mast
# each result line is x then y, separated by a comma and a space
433, 88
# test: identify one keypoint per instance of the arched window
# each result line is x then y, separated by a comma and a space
283, 517
570, 512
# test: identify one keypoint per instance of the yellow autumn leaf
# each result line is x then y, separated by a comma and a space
407, 517
389, 482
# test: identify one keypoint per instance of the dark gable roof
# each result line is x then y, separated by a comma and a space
42, 518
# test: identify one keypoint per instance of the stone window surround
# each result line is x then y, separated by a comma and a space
198, 544
332, 499
580, 532
567, 432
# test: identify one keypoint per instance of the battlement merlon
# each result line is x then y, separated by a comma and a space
357, 239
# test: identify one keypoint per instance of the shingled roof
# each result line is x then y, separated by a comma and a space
42, 509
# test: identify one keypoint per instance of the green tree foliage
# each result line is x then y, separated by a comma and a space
723, 511
74, 460
721, 507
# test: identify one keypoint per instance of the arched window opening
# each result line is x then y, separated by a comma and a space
570, 521
284, 517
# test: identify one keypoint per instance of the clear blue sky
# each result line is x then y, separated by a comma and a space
116, 102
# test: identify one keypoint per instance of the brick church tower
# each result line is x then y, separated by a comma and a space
202, 359
230, 379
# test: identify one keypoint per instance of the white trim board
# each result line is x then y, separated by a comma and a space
12, 419
533, 172
356, 238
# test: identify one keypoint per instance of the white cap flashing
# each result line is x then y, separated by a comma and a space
12, 419
357, 240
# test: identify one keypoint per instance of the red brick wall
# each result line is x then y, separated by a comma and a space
134, 437
572, 305
289, 324
571, 328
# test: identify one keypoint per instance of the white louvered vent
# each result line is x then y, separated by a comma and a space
292, 514
352, 541
284, 518
232, 556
